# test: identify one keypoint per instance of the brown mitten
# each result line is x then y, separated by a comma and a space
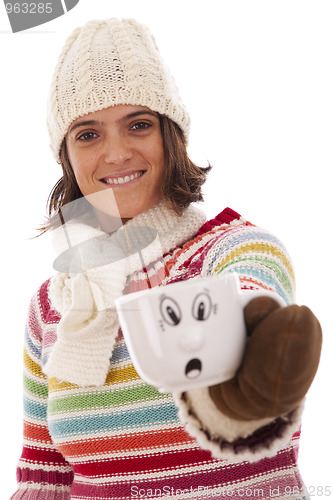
280, 361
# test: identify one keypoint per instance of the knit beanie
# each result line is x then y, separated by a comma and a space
105, 63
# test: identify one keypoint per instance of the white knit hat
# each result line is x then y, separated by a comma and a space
105, 63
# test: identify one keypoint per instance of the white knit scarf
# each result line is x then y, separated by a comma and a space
89, 324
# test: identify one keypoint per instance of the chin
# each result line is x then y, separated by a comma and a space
129, 213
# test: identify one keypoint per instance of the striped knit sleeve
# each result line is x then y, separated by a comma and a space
261, 262
42, 472
257, 256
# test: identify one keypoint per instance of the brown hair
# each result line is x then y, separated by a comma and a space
181, 183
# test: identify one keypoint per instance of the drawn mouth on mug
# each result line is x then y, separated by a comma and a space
193, 368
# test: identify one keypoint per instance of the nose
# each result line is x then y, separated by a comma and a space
117, 149
192, 339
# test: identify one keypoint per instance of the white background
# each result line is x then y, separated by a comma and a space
257, 79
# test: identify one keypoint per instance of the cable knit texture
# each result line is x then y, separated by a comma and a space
106, 63
123, 439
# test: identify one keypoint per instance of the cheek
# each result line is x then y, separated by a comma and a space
159, 161
82, 166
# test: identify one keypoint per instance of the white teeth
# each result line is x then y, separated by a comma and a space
123, 180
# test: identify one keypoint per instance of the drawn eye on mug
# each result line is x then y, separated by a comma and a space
202, 307
170, 311
25, 15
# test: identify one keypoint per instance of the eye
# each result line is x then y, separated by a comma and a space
170, 311
141, 126
202, 307
86, 136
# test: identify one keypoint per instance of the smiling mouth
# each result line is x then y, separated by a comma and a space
123, 180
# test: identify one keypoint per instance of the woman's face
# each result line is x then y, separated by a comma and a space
121, 148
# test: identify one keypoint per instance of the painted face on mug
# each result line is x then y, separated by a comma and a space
120, 147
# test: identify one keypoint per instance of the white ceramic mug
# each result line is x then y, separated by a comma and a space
187, 334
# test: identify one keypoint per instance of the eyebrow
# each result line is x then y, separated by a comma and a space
124, 118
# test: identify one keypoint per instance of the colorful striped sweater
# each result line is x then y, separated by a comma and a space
124, 439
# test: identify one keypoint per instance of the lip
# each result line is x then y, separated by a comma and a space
123, 174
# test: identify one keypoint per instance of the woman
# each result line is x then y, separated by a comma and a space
94, 429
